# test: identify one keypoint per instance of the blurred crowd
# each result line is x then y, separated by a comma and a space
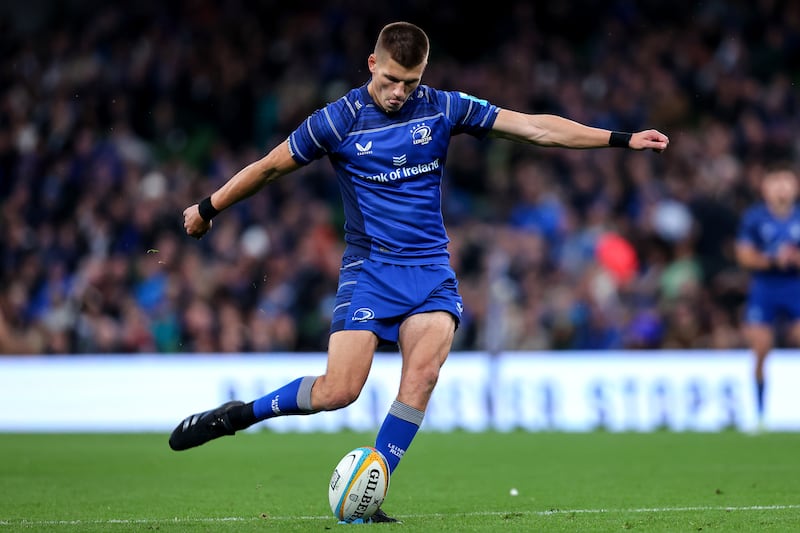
114, 118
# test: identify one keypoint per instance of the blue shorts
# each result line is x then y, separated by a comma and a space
772, 299
377, 297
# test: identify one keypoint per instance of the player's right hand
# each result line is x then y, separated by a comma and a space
652, 139
788, 256
193, 223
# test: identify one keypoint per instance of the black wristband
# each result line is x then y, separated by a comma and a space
620, 139
207, 209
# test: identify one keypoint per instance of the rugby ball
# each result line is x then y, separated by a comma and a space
358, 485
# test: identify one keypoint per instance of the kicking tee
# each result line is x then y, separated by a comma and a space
390, 166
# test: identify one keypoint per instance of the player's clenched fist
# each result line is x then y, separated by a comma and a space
652, 139
193, 223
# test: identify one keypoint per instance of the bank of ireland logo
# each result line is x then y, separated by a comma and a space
421, 134
364, 149
362, 314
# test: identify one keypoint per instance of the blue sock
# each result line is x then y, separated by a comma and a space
760, 398
398, 430
292, 399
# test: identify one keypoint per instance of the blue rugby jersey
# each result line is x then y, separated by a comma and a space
767, 233
390, 167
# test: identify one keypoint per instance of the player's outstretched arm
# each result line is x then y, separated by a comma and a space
245, 183
552, 130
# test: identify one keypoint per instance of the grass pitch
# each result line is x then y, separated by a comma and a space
262, 481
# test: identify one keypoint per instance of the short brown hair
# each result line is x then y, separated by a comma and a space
779, 165
406, 43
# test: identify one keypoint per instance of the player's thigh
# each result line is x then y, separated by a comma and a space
792, 310
760, 337
350, 355
427, 333
794, 333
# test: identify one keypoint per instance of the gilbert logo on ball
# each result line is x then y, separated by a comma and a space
359, 484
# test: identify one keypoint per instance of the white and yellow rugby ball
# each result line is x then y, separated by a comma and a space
359, 484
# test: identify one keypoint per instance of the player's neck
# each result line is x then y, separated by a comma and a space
781, 210
375, 99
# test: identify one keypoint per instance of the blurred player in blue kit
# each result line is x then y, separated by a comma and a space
768, 244
387, 141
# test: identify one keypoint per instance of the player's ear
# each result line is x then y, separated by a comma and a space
372, 60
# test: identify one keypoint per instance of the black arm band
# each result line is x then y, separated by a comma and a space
207, 209
620, 139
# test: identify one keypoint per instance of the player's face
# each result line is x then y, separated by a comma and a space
392, 83
780, 188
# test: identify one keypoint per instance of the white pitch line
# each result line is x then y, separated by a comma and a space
634, 510
551, 512
613, 511
675, 509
